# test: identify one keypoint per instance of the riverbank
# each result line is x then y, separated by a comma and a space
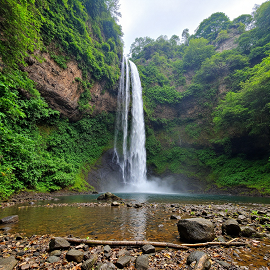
32, 251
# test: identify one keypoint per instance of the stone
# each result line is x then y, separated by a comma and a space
25, 266
59, 243
74, 255
9, 219
221, 239
56, 253
224, 264
88, 264
241, 219
137, 205
175, 217
247, 231
107, 266
147, 249
142, 262
5, 229
115, 204
53, 259
123, 262
196, 230
107, 249
108, 196
8, 263
196, 256
231, 227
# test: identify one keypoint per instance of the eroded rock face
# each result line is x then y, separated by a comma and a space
62, 92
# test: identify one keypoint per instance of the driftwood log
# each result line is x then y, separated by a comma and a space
155, 244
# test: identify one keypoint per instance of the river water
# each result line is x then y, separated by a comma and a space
65, 216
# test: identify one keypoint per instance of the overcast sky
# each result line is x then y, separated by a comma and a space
141, 18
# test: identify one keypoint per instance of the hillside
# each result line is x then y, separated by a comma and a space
59, 75
207, 103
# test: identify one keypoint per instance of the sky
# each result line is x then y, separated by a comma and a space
153, 18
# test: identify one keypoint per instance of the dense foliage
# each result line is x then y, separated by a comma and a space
40, 149
207, 108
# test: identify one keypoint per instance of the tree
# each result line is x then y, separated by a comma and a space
138, 45
185, 36
245, 19
113, 7
262, 17
210, 27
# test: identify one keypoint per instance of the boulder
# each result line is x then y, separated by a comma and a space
142, 262
9, 219
248, 231
74, 255
147, 249
59, 243
88, 264
115, 204
108, 196
196, 230
123, 262
8, 263
200, 258
231, 227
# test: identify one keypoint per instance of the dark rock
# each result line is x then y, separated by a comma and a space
224, 264
147, 249
264, 220
88, 264
175, 217
123, 262
53, 259
115, 204
18, 237
231, 227
9, 219
59, 243
196, 230
8, 263
74, 255
196, 256
247, 231
138, 205
142, 262
129, 205
5, 229
108, 196
20, 253
36, 254
241, 219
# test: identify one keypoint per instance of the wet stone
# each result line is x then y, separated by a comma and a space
147, 249
59, 243
231, 227
74, 255
88, 264
56, 253
53, 259
142, 262
115, 204
224, 264
8, 263
248, 231
9, 219
123, 262
107, 249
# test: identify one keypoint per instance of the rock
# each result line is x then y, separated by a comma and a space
224, 264
115, 204
142, 262
241, 219
196, 230
56, 253
123, 262
74, 255
9, 219
25, 266
175, 217
5, 229
247, 231
196, 256
108, 196
53, 259
221, 239
59, 243
129, 205
107, 249
107, 266
147, 249
8, 263
231, 227
88, 264
137, 205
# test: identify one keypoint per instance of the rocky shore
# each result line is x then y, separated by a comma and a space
248, 225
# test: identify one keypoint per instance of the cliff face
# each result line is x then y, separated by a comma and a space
61, 90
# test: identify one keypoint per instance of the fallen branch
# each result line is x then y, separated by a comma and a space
156, 244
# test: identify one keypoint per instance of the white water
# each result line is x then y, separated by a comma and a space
132, 155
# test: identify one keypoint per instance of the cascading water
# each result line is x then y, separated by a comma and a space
132, 156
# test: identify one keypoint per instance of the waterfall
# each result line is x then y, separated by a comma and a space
131, 153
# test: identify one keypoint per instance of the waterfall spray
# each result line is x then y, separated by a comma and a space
131, 157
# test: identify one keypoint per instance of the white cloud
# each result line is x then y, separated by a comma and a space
153, 18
